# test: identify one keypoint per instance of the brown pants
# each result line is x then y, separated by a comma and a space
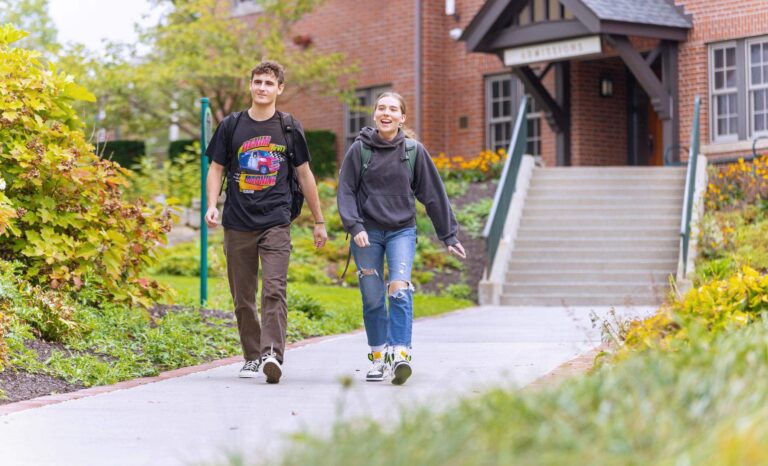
244, 251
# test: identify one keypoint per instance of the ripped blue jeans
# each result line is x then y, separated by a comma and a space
393, 328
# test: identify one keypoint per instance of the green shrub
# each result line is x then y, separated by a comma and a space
181, 146
322, 146
72, 223
311, 307
459, 291
177, 182
123, 151
472, 217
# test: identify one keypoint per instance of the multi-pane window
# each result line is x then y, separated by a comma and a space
758, 86
725, 108
499, 111
360, 115
533, 121
501, 102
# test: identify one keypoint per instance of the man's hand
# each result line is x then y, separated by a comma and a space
212, 217
458, 251
321, 236
361, 239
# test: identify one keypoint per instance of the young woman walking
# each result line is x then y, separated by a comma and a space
382, 175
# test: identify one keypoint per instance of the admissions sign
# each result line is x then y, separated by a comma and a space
553, 51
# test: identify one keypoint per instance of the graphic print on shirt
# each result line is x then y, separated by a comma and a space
259, 162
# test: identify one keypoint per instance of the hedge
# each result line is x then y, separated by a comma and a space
125, 152
322, 146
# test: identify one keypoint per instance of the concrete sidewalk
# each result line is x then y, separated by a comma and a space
199, 418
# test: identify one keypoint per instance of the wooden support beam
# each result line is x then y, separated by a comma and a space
553, 113
660, 96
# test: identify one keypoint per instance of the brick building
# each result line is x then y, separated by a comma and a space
612, 81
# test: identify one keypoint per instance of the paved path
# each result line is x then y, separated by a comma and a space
199, 417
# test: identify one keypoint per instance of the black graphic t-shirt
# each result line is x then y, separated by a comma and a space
258, 188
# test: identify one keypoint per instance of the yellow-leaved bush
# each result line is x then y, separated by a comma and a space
62, 211
703, 312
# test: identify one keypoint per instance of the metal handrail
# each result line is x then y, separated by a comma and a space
494, 227
690, 184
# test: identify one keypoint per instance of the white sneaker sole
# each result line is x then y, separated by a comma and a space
272, 371
247, 374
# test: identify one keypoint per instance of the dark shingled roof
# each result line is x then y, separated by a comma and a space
654, 12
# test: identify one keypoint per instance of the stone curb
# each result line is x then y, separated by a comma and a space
576, 366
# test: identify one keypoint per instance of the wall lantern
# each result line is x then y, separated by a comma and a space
606, 86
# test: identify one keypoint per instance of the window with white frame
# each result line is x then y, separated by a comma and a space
359, 115
758, 86
724, 91
246, 7
502, 94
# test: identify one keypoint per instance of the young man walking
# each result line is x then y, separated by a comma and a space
258, 150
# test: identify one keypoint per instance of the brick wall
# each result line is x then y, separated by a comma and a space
713, 21
598, 124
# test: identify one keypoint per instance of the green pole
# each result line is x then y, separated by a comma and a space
205, 136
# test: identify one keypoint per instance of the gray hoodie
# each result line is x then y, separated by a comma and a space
383, 199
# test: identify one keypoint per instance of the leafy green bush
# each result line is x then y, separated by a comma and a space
177, 182
123, 151
706, 311
322, 145
459, 291
72, 223
472, 217
184, 259
311, 307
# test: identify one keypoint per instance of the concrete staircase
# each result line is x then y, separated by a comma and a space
596, 236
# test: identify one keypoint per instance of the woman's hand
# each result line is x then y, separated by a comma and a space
361, 239
458, 251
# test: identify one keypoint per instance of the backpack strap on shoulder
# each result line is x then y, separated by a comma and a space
410, 155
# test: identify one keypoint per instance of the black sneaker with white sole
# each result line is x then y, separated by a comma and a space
271, 368
250, 369
401, 367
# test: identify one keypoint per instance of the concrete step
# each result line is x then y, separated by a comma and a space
604, 210
594, 243
595, 254
638, 193
602, 299
598, 232
647, 276
587, 288
618, 202
609, 171
619, 183
562, 221
587, 266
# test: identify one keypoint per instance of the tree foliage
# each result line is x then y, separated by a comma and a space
199, 49
71, 225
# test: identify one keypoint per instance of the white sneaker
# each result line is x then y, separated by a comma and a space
250, 369
401, 365
379, 367
271, 368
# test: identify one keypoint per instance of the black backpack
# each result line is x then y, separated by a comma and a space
297, 197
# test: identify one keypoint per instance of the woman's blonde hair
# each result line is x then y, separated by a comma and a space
408, 131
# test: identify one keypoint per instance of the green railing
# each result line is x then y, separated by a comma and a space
690, 186
494, 227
